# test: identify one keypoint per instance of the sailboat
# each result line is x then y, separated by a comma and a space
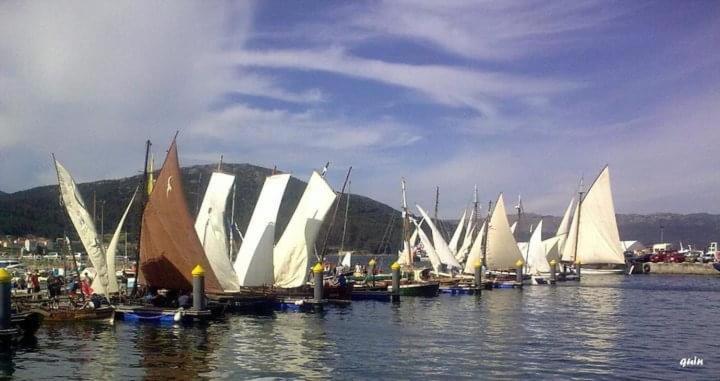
593, 241
210, 227
295, 250
457, 235
254, 261
414, 286
447, 259
536, 262
170, 250
501, 252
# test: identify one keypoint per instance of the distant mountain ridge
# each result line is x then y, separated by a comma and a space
36, 211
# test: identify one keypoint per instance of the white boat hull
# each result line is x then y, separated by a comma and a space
584, 271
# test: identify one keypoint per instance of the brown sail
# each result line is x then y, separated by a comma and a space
169, 246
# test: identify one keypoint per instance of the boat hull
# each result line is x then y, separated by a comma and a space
65, 315
143, 314
585, 271
428, 289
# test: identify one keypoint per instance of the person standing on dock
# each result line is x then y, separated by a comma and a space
35, 283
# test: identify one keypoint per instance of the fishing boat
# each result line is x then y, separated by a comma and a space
415, 283
593, 242
500, 250
170, 251
104, 281
295, 250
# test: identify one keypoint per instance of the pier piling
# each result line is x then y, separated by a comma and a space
519, 271
478, 275
198, 275
577, 268
395, 282
6, 331
372, 264
553, 271
318, 276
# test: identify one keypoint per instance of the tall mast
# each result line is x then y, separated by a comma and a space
332, 220
143, 202
485, 235
477, 210
577, 231
347, 208
406, 222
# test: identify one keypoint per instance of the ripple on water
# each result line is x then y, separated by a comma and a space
603, 327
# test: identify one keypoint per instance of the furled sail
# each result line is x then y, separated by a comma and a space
111, 251
210, 227
456, 236
254, 262
598, 239
475, 253
169, 246
467, 240
441, 247
429, 249
85, 227
502, 251
536, 260
294, 249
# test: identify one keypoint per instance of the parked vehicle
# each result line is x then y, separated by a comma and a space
693, 255
667, 256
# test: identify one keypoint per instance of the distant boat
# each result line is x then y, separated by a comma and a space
593, 241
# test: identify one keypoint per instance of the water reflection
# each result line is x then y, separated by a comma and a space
173, 352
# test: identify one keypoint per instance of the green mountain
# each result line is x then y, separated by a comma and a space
37, 211
371, 224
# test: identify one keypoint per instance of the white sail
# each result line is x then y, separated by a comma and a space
536, 259
475, 253
564, 227
568, 241
502, 251
441, 247
456, 236
347, 260
513, 226
83, 223
210, 228
254, 261
294, 249
111, 251
598, 238
467, 240
403, 256
552, 249
429, 249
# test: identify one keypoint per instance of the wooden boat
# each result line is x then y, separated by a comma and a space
593, 238
424, 289
75, 314
150, 314
716, 266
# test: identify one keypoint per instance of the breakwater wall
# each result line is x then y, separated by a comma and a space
683, 268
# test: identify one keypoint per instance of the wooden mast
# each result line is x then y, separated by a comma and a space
406, 223
335, 209
485, 235
143, 202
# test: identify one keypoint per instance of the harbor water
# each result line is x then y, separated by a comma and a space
627, 327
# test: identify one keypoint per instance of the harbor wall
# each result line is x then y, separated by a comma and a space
683, 268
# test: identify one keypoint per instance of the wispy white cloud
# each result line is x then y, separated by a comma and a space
453, 86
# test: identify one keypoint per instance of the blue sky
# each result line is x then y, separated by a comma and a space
516, 97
